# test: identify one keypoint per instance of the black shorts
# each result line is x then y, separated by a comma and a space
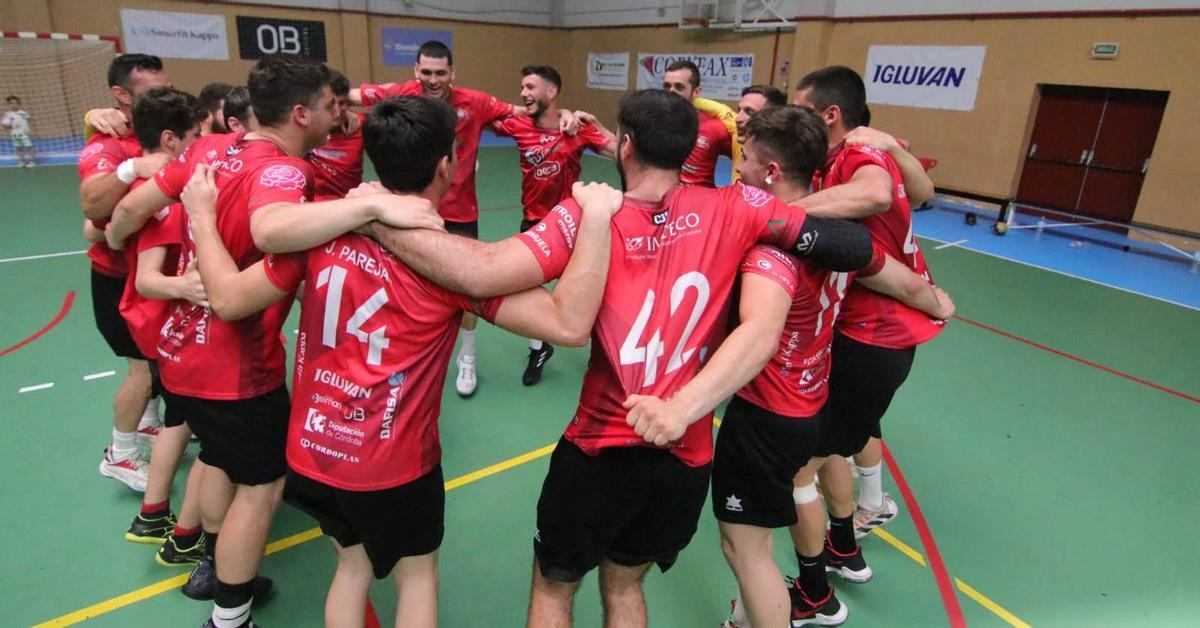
526, 225
464, 229
245, 438
106, 305
862, 381
407, 520
631, 505
757, 455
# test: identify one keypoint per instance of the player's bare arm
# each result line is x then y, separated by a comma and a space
151, 283
869, 191
110, 121
763, 310
232, 293
917, 184
132, 212
899, 282
100, 193
610, 149
289, 227
566, 315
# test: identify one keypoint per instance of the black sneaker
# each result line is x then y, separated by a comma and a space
537, 359
172, 555
827, 611
850, 567
202, 583
155, 530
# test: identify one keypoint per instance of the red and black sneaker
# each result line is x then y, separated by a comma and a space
850, 567
827, 611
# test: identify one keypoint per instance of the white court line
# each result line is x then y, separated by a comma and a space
1066, 274
948, 245
88, 378
36, 387
29, 257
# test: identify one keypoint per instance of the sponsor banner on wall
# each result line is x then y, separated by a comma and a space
931, 77
175, 35
608, 70
400, 44
258, 36
722, 77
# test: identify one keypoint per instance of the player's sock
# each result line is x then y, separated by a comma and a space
812, 575
156, 511
841, 534
210, 545
536, 345
124, 444
870, 487
468, 342
231, 606
150, 414
186, 537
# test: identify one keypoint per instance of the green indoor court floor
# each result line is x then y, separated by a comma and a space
1048, 438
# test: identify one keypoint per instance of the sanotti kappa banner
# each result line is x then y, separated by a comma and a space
932, 77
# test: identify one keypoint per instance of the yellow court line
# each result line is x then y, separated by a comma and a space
983, 600
900, 545
300, 538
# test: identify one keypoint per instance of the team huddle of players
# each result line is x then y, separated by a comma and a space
799, 291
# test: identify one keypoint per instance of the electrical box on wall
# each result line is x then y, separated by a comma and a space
1105, 50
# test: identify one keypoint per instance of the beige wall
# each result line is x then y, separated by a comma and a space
982, 150
979, 151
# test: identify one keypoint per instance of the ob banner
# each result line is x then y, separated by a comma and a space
930, 77
258, 36
400, 44
722, 77
608, 70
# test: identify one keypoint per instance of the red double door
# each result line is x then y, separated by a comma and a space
1090, 150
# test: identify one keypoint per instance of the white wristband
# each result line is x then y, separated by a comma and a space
126, 173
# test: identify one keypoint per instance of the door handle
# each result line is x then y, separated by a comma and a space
1091, 156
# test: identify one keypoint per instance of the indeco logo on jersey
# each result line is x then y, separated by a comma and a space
672, 231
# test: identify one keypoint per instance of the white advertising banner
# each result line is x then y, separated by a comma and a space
175, 35
722, 77
608, 70
931, 77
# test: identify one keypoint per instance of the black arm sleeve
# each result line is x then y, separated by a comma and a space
839, 245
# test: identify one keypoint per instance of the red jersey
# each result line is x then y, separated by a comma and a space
712, 141
244, 358
665, 306
867, 316
794, 382
475, 110
145, 316
550, 160
338, 164
375, 340
101, 155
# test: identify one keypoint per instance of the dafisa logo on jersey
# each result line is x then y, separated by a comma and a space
396, 383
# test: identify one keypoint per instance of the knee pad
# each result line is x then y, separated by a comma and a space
805, 494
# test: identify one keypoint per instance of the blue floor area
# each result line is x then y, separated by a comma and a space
1086, 253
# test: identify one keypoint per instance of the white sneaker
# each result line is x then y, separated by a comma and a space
867, 520
466, 381
131, 471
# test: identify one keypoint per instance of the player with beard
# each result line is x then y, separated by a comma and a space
338, 163
550, 164
434, 72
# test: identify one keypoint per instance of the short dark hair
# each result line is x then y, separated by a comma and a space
279, 82
165, 109
338, 83
12, 97
237, 105
684, 64
662, 126
796, 137
122, 67
406, 137
435, 49
775, 97
547, 73
212, 94
841, 86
